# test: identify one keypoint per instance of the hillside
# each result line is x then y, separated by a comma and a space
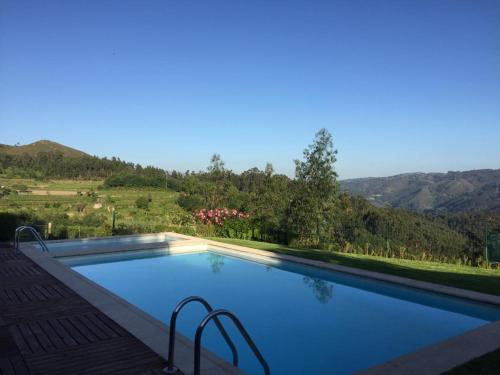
452, 192
476, 190
47, 159
42, 146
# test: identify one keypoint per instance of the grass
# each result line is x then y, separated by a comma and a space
465, 277
71, 185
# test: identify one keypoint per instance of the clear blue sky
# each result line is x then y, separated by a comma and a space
403, 86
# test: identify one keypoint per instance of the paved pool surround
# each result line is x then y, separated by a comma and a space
433, 359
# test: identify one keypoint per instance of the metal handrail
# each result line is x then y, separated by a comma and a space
171, 369
213, 315
35, 234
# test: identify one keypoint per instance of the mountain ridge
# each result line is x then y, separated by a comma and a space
452, 191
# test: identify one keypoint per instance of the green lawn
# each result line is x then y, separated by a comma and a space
465, 277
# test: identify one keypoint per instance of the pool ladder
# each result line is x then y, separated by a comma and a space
35, 234
212, 315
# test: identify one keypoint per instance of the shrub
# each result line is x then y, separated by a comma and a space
4, 191
142, 203
134, 180
190, 202
20, 187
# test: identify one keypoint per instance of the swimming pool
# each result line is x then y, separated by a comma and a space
305, 320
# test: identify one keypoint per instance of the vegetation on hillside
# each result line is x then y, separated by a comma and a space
43, 146
477, 190
44, 160
308, 211
88, 210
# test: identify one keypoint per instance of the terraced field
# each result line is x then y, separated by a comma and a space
84, 209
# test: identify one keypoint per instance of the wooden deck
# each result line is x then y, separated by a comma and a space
46, 328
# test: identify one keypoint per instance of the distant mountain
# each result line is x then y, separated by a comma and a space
37, 147
449, 192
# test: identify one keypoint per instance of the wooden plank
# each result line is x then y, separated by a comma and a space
9, 297
105, 328
111, 324
74, 333
20, 295
30, 338
19, 365
39, 296
62, 333
100, 334
42, 338
51, 293
85, 331
4, 299
56, 291
21, 343
39, 288
63, 290
51, 334
27, 296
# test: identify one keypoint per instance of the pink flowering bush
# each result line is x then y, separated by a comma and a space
219, 216
224, 222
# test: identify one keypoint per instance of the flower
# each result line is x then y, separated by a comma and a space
217, 216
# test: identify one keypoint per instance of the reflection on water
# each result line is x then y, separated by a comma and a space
323, 290
216, 262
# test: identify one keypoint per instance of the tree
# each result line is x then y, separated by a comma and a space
218, 185
216, 166
315, 193
269, 170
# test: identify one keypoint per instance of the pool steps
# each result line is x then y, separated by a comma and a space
35, 234
212, 315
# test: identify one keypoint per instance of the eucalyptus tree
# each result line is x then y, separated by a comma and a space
216, 167
316, 191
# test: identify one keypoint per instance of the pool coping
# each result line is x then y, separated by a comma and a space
433, 359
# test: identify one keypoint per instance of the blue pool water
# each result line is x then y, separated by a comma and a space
304, 319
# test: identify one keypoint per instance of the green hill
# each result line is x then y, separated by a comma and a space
46, 159
42, 146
